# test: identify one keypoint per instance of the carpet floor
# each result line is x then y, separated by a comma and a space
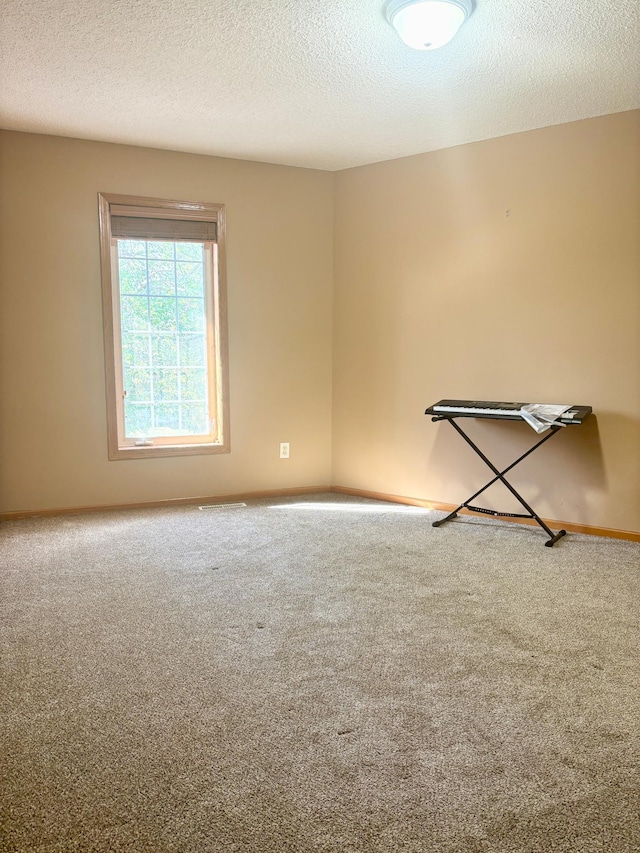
317, 675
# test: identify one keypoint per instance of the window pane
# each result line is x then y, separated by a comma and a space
134, 311
137, 384
132, 249
137, 420
162, 278
135, 349
194, 418
190, 315
160, 249
165, 385
164, 350
193, 384
193, 352
167, 419
162, 312
189, 279
189, 252
133, 276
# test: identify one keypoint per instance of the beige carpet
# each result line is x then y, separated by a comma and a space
327, 674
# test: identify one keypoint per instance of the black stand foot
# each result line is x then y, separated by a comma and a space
448, 518
551, 542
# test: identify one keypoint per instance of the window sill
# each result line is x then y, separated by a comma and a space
147, 452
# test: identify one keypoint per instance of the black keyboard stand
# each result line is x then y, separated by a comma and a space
553, 537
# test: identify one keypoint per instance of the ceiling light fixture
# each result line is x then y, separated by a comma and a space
427, 24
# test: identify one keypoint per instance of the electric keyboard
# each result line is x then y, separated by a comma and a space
501, 411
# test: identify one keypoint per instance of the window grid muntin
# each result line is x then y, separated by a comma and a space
156, 406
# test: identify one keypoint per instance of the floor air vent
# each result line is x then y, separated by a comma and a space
221, 506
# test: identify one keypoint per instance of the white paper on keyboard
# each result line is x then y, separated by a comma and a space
542, 416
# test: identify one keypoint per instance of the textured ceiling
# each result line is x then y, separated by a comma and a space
327, 85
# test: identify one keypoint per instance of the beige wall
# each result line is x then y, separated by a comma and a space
440, 293
53, 446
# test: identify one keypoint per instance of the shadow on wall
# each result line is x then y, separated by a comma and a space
560, 474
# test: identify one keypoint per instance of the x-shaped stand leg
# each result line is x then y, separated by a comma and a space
553, 537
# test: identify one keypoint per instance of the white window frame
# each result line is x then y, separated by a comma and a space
217, 441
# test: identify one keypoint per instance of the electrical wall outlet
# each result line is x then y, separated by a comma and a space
284, 450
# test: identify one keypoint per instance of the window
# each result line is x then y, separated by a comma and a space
165, 327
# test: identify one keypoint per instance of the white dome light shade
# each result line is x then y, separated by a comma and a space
427, 24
